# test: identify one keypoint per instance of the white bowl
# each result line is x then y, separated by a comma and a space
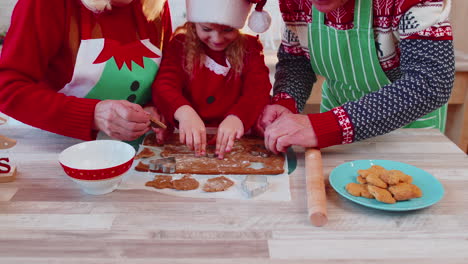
99, 187
97, 166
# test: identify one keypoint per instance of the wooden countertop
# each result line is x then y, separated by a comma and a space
46, 218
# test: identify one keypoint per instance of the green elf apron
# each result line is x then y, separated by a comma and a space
105, 69
348, 61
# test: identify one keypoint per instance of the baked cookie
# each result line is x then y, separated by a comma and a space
161, 182
387, 186
405, 191
375, 180
145, 153
393, 177
381, 195
361, 179
217, 184
374, 169
186, 183
142, 167
358, 190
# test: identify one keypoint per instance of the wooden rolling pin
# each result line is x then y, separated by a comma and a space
316, 198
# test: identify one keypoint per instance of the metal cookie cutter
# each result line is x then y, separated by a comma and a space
254, 185
165, 165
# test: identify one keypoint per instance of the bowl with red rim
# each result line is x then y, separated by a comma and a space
97, 166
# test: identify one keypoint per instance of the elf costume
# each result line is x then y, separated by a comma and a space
60, 59
387, 63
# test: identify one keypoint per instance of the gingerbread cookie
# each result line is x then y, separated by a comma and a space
380, 194
145, 153
217, 184
393, 177
375, 180
387, 186
161, 182
248, 156
405, 191
142, 167
374, 169
185, 183
361, 179
356, 189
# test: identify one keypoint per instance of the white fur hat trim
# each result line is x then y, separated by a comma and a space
259, 21
97, 6
231, 13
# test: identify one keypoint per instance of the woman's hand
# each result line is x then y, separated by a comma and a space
229, 130
269, 115
161, 134
287, 130
121, 119
192, 131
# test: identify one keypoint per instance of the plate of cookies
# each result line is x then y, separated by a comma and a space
386, 185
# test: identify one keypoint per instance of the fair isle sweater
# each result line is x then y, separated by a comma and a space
414, 44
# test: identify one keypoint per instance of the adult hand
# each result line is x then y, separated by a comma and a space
161, 134
287, 130
229, 130
192, 131
269, 115
121, 119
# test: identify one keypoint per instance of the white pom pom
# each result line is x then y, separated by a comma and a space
259, 22
97, 6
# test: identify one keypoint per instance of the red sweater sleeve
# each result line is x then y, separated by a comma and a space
34, 46
170, 80
256, 85
327, 129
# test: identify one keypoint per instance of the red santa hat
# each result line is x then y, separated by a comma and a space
229, 12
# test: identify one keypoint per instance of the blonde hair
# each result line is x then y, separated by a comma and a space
194, 54
151, 8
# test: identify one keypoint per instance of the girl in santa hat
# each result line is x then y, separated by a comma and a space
77, 67
212, 75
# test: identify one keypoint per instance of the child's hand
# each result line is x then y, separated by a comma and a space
192, 131
229, 130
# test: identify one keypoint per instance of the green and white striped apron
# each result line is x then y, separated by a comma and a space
348, 61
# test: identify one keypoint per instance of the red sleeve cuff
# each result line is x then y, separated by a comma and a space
327, 129
79, 119
285, 100
289, 104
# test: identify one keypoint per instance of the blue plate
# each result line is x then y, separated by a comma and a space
431, 188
